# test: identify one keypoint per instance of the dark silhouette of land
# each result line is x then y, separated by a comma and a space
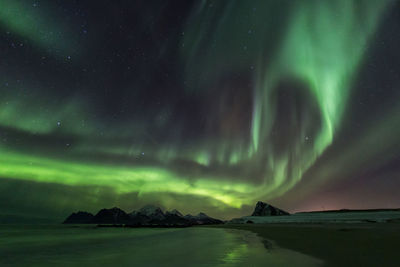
338, 237
148, 216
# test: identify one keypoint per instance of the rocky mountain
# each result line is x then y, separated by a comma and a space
202, 218
264, 209
80, 217
174, 212
261, 211
174, 217
148, 216
111, 216
149, 211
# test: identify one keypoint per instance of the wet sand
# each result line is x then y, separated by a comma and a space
262, 252
62, 245
362, 244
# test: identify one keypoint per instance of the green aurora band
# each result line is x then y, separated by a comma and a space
317, 49
316, 52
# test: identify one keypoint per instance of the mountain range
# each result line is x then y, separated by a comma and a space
148, 216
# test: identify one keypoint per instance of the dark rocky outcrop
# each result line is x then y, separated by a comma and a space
174, 217
148, 215
174, 212
80, 217
152, 212
138, 219
111, 216
264, 209
201, 219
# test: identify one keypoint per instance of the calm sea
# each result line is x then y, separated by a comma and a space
61, 245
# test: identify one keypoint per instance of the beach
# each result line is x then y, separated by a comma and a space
337, 244
61, 245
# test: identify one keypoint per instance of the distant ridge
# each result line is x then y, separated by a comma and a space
148, 216
80, 217
327, 216
347, 210
111, 216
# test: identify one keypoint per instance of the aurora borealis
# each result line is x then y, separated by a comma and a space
206, 105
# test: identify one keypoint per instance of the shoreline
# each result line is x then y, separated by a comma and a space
333, 244
261, 251
336, 244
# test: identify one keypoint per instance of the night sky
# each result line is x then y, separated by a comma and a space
198, 105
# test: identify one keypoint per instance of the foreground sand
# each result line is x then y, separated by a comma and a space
363, 244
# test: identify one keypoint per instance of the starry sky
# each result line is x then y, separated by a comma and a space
198, 105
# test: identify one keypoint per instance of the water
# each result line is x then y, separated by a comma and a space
90, 246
